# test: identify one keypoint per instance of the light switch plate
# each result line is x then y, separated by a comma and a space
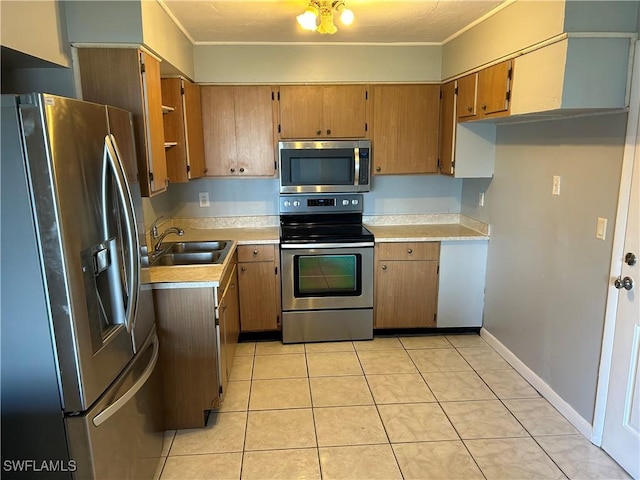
203, 197
601, 228
555, 190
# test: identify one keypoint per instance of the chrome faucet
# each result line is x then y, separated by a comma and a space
157, 246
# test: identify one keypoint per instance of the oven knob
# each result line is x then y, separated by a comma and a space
296, 203
287, 203
354, 202
345, 202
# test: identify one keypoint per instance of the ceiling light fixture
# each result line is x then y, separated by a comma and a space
324, 9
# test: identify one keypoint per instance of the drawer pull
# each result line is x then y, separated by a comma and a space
384, 267
409, 251
255, 252
242, 269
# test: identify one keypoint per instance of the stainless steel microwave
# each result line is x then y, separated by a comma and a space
335, 166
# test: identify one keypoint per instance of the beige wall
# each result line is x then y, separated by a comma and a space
517, 26
37, 28
163, 36
316, 63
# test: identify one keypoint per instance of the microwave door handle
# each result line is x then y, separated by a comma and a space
356, 166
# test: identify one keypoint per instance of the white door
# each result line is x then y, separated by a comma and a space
621, 434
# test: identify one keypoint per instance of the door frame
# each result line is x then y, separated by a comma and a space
611, 311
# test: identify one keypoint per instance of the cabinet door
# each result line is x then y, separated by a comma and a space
467, 96
174, 131
301, 109
254, 130
113, 76
344, 111
188, 355
406, 294
447, 127
405, 128
154, 123
238, 130
230, 321
191, 102
219, 129
494, 84
258, 296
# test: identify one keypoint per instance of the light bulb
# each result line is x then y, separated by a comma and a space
307, 20
347, 16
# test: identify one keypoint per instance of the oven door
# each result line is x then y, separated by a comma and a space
327, 276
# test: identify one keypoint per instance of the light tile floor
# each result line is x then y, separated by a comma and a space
412, 407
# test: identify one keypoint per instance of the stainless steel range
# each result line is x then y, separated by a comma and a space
327, 268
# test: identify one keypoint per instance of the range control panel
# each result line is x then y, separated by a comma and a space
321, 203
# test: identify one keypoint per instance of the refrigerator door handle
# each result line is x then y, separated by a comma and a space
113, 408
112, 159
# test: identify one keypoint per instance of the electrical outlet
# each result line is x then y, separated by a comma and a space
481, 200
203, 197
601, 228
556, 185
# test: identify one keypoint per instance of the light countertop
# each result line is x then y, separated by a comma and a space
209, 275
425, 233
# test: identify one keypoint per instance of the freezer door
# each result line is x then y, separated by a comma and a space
79, 211
121, 436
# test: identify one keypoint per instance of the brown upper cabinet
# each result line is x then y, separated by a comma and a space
486, 93
323, 111
238, 125
129, 78
447, 128
184, 148
405, 128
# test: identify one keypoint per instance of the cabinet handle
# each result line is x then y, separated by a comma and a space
319, 132
384, 267
484, 107
242, 269
233, 170
469, 109
255, 252
241, 169
329, 132
378, 169
409, 251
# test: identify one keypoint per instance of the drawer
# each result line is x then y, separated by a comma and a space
256, 253
408, 251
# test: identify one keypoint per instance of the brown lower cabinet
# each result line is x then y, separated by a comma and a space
406, 284
259, 280
195, 364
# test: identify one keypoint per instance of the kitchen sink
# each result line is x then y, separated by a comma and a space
188, 247
192, 258
211, 252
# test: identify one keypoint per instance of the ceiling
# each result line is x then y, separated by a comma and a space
376, 21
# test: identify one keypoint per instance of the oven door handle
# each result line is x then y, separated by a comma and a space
309, 246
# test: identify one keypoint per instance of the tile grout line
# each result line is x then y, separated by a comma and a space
313, 413
508, 410
443, 410
246, 422
375, 404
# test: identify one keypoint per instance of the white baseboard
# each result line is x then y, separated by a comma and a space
582, 425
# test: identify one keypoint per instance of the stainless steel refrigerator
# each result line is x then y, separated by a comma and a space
80, 390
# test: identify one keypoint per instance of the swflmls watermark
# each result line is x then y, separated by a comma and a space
30, 465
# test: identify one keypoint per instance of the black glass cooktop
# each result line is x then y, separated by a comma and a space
323, 229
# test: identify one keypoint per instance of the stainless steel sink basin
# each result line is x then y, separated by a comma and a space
192, 258
190, 253
186, 247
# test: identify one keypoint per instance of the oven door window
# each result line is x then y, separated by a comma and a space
327, 275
